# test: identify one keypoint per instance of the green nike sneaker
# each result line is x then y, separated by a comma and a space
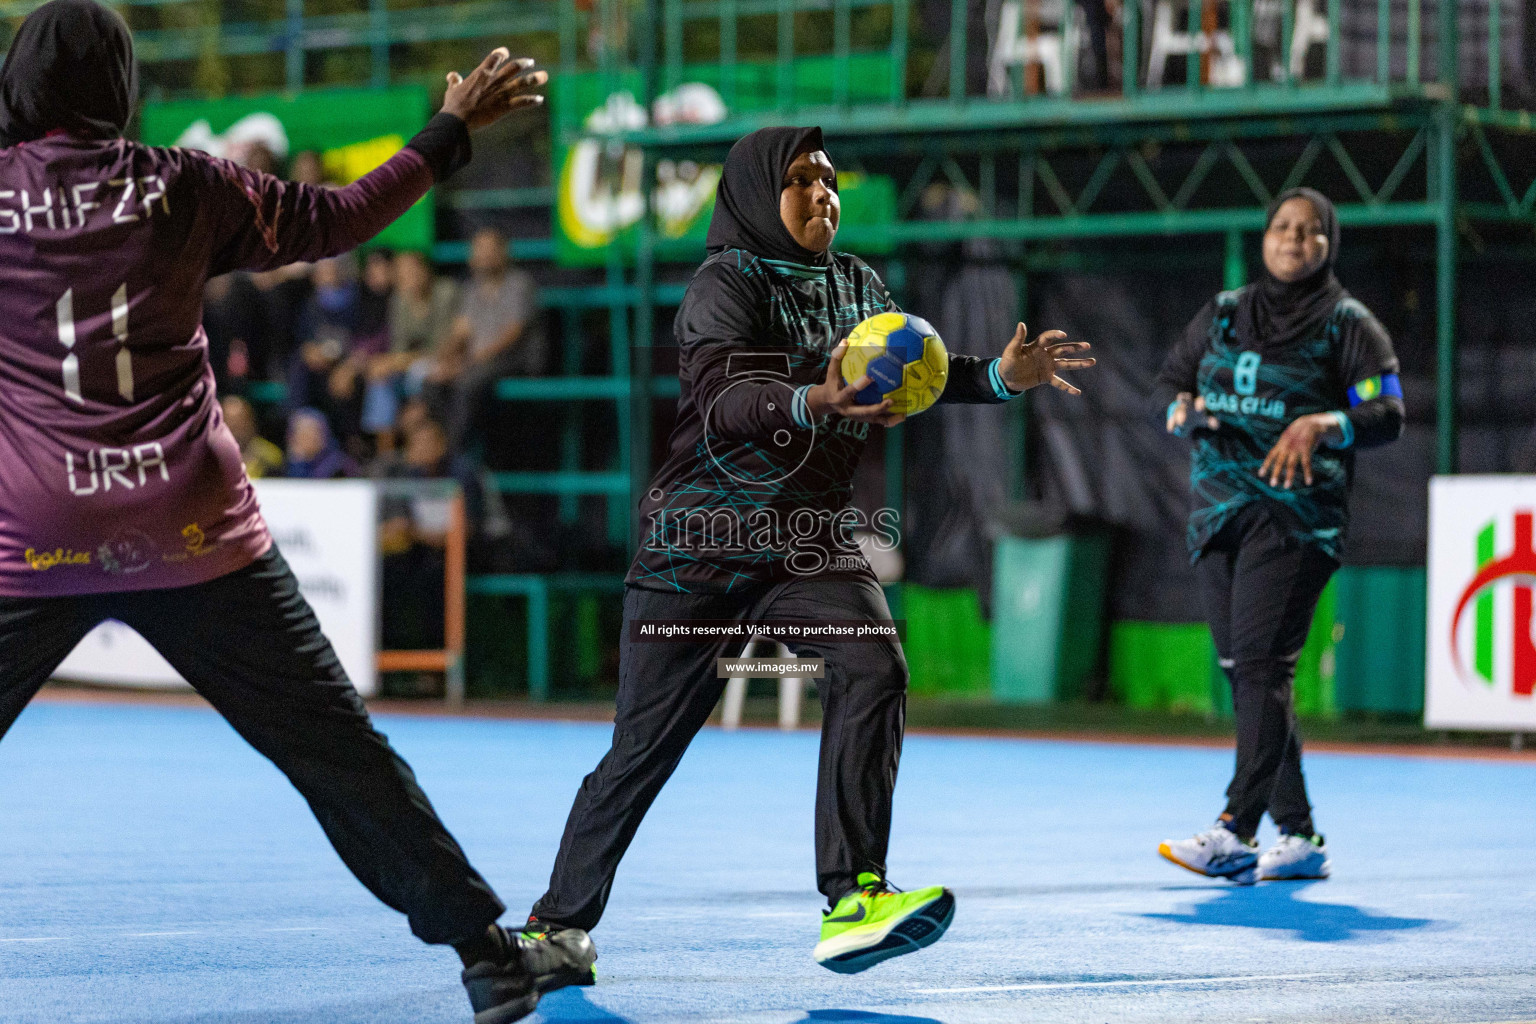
877, 921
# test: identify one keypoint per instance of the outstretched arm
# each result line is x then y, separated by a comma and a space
263, 222
1024, 364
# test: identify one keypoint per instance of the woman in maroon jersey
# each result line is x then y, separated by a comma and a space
114, 453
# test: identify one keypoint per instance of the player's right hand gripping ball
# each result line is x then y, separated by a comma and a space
904, 359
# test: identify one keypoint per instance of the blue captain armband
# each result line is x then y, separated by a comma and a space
1382, 385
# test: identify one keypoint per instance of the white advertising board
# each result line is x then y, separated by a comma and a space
1481, 657
328, 532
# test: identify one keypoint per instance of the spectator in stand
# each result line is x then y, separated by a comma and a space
323, 373
497, 332
285, 291
413, 537
261, 457
233, 321
371, 332
421, 312
426, 456
234, 317
257, 155
313, 453
370, 339
284, 294
422, 315
307, 168
413, 412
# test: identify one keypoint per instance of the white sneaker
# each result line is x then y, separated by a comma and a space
1215, 853
1295, 857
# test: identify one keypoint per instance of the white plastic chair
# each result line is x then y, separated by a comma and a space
1172, 40
1309, 30
791, 689
1014, 46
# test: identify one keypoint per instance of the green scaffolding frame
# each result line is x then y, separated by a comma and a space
1334, 115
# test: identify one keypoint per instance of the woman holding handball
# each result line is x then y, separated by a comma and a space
1277, 383
748, 521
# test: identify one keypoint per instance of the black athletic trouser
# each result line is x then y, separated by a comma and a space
1259, 584
249, 643
667, 692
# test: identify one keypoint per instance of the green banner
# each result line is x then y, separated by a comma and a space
598, 197
353, 130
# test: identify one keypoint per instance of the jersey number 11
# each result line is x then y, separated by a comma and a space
66, 310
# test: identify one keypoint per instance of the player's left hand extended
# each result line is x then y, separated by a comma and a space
1295, 448
498, 86
1026, 364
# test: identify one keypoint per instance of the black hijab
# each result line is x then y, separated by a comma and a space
1273, 314
747, 200
69, 68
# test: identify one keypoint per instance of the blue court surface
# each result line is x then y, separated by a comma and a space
154, 870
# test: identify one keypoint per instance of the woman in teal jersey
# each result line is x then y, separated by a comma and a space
1277, 383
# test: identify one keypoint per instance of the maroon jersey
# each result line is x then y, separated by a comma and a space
116, 469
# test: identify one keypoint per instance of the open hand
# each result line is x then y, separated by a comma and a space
497, 87
1026, 364
1188, 412
1295, 448
833, 396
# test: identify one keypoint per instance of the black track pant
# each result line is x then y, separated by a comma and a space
249, 643
1259, 585
667, 692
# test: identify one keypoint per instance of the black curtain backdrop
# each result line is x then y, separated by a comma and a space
1103, 457
958, 455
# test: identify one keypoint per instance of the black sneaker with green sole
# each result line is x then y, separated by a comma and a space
557, 957
540, 960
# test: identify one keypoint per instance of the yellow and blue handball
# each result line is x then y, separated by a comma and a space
904, 359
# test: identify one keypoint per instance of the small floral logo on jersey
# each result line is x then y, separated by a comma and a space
129, 551
42, 561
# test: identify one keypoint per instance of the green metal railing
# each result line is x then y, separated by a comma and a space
836, 29
735, 33
198, 30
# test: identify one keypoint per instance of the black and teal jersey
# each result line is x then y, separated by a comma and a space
1348, 368
752, 489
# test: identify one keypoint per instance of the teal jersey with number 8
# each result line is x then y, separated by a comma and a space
1255, 395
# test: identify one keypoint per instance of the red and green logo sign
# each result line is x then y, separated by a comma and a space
1517, 566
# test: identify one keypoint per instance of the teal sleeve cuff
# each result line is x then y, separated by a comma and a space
995, 376
799, 411
1346, 428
